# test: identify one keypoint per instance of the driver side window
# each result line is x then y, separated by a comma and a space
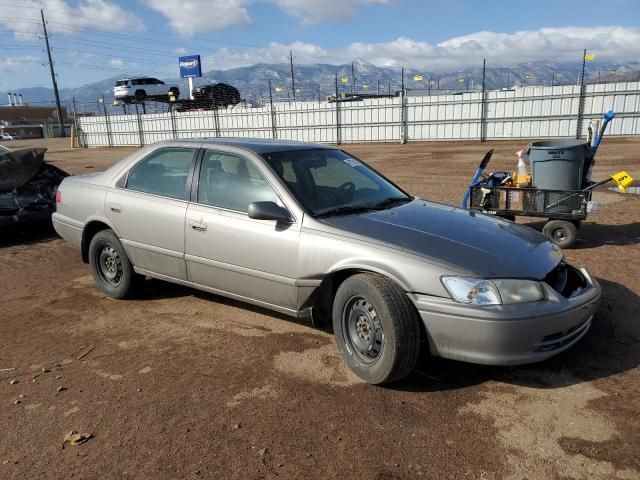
232, 182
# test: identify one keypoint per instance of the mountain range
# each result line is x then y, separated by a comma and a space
318, 80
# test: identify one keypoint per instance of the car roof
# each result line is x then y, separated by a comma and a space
259, 145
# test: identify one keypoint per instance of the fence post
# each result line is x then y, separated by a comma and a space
107, 122
483, 104
216, 120
75, 122
581, 99
338, 124
274, 128
140, 132
174, 129
403, 112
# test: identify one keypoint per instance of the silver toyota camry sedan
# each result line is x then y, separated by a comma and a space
311, 231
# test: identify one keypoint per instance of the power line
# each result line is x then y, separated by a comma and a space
112, 46
92, 54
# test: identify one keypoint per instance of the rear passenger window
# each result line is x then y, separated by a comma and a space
164, 172
231, 181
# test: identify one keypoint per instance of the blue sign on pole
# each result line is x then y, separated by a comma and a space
190, 66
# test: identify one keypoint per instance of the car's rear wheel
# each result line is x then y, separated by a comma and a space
376, 328
140, 95
110, 266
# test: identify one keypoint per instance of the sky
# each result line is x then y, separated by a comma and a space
97, 39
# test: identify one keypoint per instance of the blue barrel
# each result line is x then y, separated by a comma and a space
559, 164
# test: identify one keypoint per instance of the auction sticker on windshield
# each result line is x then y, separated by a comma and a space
352, 162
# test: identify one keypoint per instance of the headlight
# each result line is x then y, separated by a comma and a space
478, 291
519, 291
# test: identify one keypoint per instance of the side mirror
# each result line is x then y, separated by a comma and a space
269, 211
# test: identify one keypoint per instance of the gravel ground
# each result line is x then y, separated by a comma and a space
183, 384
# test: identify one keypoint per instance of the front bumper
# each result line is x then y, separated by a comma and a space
508, 334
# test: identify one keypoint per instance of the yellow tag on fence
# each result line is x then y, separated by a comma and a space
623, 180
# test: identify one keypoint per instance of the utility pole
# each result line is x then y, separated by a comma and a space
353, 78
483, 105
581, 99
293, 80
53, 76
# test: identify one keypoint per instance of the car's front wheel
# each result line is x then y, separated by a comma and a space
376, 328
110, 266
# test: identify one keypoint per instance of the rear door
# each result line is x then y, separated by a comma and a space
229, 252
148, 208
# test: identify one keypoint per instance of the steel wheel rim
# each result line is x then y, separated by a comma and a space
559, 234
110, 265
362, 329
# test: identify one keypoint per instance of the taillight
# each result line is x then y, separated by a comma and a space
58, 196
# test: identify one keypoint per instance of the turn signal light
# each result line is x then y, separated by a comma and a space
58, 196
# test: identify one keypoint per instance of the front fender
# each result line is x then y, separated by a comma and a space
322, 255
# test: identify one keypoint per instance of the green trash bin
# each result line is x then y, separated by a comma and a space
559, 164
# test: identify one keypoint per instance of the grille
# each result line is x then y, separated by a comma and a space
566, 280
560, 339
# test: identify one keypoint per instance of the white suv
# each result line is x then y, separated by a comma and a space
140, 89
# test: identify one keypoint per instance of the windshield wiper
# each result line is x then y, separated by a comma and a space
351, 209
388, 202
346, 210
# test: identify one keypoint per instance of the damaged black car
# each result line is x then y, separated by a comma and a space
28, 185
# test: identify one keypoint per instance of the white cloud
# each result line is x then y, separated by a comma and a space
21, 64
66, 19
180, 51
188, 17
16, 70
313, 11
116, 62
559, 44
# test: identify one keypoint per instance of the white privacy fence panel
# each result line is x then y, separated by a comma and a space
530, 112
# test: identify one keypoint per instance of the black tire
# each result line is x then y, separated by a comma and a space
111, 268
140, 95
561, 232
376, 328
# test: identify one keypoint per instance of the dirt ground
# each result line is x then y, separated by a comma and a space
181, 384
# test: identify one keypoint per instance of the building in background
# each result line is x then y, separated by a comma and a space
28, 121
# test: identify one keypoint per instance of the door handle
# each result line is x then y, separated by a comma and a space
198, 226
115, 207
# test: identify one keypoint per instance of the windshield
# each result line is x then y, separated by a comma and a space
331, 182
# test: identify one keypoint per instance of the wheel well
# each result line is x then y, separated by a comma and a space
87, 234
322, 298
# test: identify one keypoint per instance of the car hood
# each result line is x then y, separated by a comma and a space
469, 242
17, 167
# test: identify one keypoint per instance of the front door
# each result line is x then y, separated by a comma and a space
229, 252
148, 210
